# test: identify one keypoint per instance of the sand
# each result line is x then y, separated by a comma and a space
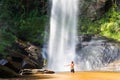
72, 76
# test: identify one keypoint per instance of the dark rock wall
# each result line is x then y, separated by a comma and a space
94, 9
16, 60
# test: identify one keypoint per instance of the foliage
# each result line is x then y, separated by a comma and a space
111, 28
21, 19
108, 25
88, 27
6, 40
32, 29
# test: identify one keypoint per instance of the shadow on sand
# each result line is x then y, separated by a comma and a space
37, 76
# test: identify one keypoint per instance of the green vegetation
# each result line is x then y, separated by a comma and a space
111, 28
21, 19
88, 26
108, 25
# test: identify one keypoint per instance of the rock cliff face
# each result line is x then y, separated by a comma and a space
95, 52
118, 3
114, 66
94, 9
33, 55
29, 58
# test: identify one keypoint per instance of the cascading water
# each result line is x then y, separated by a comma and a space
97, 53
62, 41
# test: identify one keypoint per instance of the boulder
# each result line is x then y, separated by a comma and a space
48, 72
6, 72
33, 56
14, 62
17, 61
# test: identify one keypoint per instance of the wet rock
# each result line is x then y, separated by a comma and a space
97, 53
6, 72
17, 61
13, 64
8, 68
113, 66
34, 55
48, 72
25, 72
35, 71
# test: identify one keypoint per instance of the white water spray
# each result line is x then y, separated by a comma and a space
62, 41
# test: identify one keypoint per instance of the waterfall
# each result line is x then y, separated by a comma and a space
62, 39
